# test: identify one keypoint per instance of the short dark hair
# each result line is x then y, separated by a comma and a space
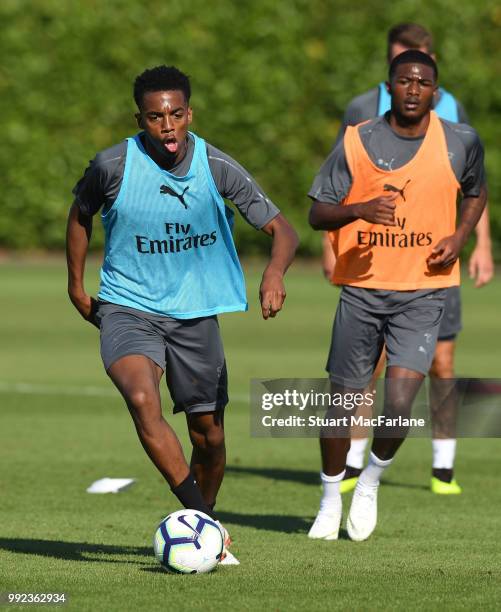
413, 56
161, 78
410, 35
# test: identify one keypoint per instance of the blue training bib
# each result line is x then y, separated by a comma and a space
169, 248
446, 108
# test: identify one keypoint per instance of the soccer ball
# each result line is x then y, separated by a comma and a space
188, 542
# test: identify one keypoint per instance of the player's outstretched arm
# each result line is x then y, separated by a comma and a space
325, 216
78, 234
481, 264
447, 250
285, 242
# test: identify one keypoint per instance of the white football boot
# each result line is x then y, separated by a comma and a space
227, 558
326, 525
362, 518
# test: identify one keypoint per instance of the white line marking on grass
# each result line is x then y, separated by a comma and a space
34, 389
77, 391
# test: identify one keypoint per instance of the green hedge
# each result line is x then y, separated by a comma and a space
270, 78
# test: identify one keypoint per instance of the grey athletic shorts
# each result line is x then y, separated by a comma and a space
190, 351
450, 325
409, 333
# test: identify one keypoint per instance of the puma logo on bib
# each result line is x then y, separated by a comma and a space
389, 187
166, 190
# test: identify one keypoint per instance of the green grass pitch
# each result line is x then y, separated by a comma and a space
62, 426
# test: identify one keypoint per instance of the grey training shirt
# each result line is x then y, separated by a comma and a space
389, 151
102, 180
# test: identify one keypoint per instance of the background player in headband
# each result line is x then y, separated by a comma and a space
374, 103
170, 267
394, 259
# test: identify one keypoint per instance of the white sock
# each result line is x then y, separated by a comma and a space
444, 453
374, 470
331, 497
356, 453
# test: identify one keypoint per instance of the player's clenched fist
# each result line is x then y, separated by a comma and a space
271, 294
379, 210
445, 252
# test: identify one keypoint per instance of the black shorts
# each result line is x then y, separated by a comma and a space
190, 351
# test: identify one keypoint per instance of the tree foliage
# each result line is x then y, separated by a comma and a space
270, 79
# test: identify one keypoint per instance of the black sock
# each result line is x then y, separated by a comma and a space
190, 496
443, 474
351, 472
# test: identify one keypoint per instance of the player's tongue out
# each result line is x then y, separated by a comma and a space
171, 146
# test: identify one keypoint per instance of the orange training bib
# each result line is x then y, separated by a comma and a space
383, 257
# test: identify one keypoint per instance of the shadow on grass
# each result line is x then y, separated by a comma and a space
155, 570
74, 551
300, 476
404, 485
343, 534
267, 522
306, 477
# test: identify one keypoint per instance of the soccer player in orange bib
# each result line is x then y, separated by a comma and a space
373, 103
388, 194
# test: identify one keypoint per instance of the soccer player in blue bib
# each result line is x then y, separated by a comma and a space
374, 103
170, 267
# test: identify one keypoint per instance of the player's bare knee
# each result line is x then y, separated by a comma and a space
210, 440
145, 410
442, 369
399, 404
443, 360
215, 439
140, 399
